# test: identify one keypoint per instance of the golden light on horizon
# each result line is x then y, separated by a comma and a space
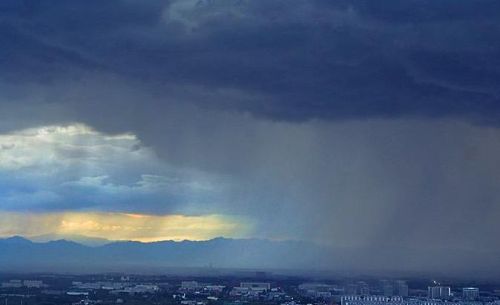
122, 226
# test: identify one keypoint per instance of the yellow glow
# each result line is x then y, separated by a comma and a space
121, 226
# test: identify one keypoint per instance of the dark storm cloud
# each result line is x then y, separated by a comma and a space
343, 122
298, 59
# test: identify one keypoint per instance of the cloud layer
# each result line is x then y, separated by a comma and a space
75, 167
290, 60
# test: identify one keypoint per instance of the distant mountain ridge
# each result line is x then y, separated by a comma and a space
18, 254
81, 239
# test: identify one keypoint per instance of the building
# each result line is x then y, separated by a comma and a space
318, 290
395, 300
78, 293
439, 292
351, 289
401, 288
214, 288
33, 284
137, 289
316, 287
387, 288
373, 300
12, 284
363, 288
470, 293
261, 286
143, 288
125, 278
359, 288
189, 285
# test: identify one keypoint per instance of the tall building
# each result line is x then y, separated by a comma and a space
387, 288
439, 292
363, 288
351, 289
401, 288
470, 293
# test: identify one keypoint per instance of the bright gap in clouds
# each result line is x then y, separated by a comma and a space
120, 226
52, 176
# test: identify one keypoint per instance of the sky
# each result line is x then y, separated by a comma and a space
347, 123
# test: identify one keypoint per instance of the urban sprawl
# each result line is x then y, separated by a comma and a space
261, 288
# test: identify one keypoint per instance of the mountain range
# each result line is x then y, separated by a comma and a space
81, 239
21, 254
18, 254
